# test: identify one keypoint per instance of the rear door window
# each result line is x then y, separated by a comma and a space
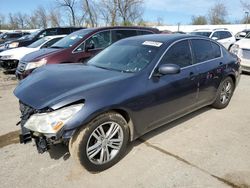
121, 34
204, 50
178, 54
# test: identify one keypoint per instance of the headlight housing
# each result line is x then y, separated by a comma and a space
6, 57
52, 122
235, 49
13, 45
33, 65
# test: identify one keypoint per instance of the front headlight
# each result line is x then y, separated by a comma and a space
52, 122
13, 45
33, 65
235, 49
6, 57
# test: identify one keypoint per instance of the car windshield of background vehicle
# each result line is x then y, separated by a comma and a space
125, 57
248, 36
206, 34
38, 43
32, 35
71, 39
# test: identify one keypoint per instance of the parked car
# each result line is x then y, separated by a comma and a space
40, 34
128, 89
242, 34
9, 59
223, 36
9, 36
78, 47
242, 49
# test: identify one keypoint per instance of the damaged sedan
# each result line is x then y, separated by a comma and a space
133, 86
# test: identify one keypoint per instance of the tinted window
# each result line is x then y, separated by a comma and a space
216, 50
100, 40
205, 50
16, 35
144, 32
121, 34
178, 54
222, 34
225, 34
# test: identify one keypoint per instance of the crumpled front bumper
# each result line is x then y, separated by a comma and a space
43, 141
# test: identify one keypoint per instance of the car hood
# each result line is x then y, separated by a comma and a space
18, 53
51, 84
40, 54
244, 43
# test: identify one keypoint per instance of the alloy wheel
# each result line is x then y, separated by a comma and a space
104, 143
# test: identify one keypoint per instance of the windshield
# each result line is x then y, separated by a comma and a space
206, 34
125, 56
247, 36
71, 39
38, 42
32, 35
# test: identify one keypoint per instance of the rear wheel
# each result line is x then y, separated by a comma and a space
101, 143
224, 94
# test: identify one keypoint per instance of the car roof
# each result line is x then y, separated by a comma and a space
164, 38
123, 27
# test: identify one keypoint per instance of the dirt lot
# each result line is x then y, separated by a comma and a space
208, 148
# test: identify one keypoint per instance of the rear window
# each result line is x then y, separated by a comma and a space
202, 50
121, 34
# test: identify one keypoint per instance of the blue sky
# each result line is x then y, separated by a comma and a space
171, 11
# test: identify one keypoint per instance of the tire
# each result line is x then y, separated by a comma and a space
92, 145
224, 93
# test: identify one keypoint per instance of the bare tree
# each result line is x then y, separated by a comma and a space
199, 20
217, 14
245, 5
130, 10
70, 5
109, 11
21, 19
55, 18
159, 21
90, 12
2, 21
13, 24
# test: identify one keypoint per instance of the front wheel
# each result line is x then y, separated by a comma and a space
101, 143
224, 94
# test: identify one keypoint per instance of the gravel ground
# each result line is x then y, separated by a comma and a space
208, 148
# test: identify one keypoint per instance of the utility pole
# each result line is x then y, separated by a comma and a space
247, 13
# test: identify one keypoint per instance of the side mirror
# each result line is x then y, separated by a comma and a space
40, 36
90, 46
243, 34
165, 69
215, 38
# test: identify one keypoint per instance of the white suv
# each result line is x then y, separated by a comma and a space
223, 36
242, 49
